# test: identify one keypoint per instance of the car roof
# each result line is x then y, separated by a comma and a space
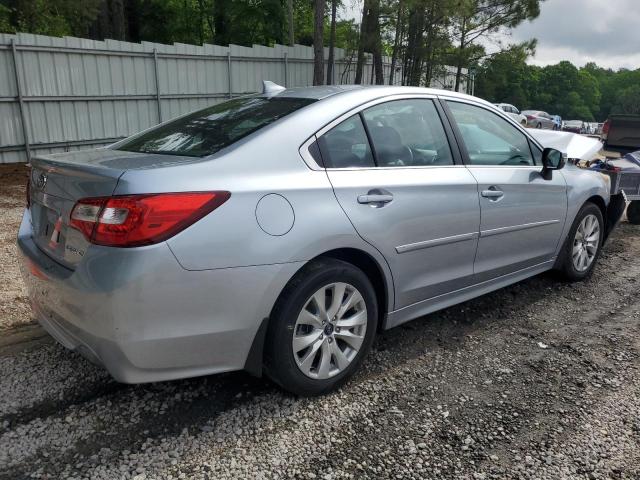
372, 91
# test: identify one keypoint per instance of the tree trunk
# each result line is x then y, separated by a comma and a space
221, 23
396, 42
363, 42
460, 53
332, 42
117, 20
370, 41
290, 16
415, 51
318, 42
376, 42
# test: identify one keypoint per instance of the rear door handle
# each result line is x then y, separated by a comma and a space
375, 198
492, 193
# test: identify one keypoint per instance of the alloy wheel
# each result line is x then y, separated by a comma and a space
329, 330
585, 243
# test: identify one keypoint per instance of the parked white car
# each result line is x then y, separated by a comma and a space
512, 112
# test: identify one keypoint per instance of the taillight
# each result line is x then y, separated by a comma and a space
136, 220
605, 127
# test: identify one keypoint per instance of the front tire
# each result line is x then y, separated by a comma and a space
539, 126
321, 328
633, 212
582, 246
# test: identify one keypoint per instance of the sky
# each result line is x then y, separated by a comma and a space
603, 31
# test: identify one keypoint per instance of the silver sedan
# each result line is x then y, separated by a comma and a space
278, 233
539, 119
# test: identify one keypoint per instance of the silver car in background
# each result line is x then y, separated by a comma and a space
513, 112
278, 233
539, 119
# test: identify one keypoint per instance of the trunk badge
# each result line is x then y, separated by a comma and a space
41, 181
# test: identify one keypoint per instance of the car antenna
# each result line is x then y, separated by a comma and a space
270, 88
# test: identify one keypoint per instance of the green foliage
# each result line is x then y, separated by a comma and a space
628, 101
420, 35
241, 22
588, 93
48, 17
5, 20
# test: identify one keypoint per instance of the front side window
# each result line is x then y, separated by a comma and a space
207, 131
346, 145
407, 133
490, 140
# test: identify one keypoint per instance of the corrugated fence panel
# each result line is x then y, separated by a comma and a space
79, 93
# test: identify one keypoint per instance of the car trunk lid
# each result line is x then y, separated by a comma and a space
56, 183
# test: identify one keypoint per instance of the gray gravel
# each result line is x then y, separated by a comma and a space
536, 381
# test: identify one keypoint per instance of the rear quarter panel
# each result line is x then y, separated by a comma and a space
231, 236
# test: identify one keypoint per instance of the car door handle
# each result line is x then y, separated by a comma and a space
375, 198
492, 193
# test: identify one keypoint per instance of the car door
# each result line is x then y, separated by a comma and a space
522, 213
406, 192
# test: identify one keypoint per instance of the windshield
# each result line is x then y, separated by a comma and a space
573, 123
207, 131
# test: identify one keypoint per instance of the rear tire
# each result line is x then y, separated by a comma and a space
633, 212
312, 349
582, 247
539, 125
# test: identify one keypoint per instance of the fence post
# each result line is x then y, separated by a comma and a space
286, 69
23, 120
229, 73
158, 97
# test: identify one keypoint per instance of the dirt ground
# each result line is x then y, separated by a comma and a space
537, 380
14, 308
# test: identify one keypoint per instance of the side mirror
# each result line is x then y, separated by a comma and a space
552, 159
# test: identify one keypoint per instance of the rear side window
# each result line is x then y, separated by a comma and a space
346, 145
206, 131
490, 140
407, 133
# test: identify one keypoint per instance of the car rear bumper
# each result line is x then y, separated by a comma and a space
143, 317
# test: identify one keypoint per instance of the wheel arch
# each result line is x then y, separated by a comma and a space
372, 269
599, 202
376, 272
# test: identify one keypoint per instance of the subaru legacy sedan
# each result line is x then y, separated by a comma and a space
278, 233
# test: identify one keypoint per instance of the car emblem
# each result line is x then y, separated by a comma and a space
41, 181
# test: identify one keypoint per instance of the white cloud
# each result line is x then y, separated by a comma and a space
581, 31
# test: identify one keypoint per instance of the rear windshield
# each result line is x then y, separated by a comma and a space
206, 131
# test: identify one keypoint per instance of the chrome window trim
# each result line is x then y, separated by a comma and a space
313, 165
536, 168
306, 155
405, 167
495, 110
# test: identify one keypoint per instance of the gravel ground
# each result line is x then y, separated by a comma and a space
14, 307
539, 380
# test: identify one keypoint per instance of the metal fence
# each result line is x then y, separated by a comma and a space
60, 94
